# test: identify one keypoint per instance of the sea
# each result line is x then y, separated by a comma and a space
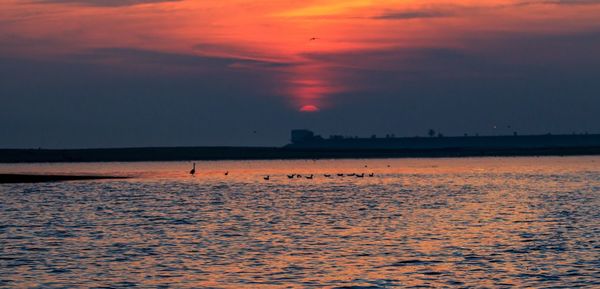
511, 222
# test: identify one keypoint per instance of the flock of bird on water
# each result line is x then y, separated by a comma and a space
309, 177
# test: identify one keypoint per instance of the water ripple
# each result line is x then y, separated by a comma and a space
435, 223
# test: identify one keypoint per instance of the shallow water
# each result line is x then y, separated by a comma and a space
482, 222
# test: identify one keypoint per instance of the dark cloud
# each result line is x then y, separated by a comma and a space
460, 10
104, 3
414, 14
562, 2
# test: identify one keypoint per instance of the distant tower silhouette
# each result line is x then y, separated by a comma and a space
431, 133
193, 171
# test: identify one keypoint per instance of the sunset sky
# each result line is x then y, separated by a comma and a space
108, 73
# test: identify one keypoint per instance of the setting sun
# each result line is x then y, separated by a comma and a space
309, 108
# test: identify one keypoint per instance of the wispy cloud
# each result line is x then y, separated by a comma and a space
129, 57
245, 57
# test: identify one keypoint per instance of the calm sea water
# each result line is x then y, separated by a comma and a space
481, 222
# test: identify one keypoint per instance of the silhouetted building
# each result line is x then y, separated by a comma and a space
302, 135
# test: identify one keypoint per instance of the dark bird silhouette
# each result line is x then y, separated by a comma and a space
227, 173
371, 175
361, 175
366, 166
310, 177
340, 175
298, 176
351, 175
327, 175
193, 171
266, 178
291, 176
313, 38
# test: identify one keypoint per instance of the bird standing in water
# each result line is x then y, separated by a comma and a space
193, 171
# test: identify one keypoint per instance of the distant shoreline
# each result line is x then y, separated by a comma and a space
267, 153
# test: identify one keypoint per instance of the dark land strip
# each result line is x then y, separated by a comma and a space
268, 153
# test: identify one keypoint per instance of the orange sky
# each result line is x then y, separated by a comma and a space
276, 37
